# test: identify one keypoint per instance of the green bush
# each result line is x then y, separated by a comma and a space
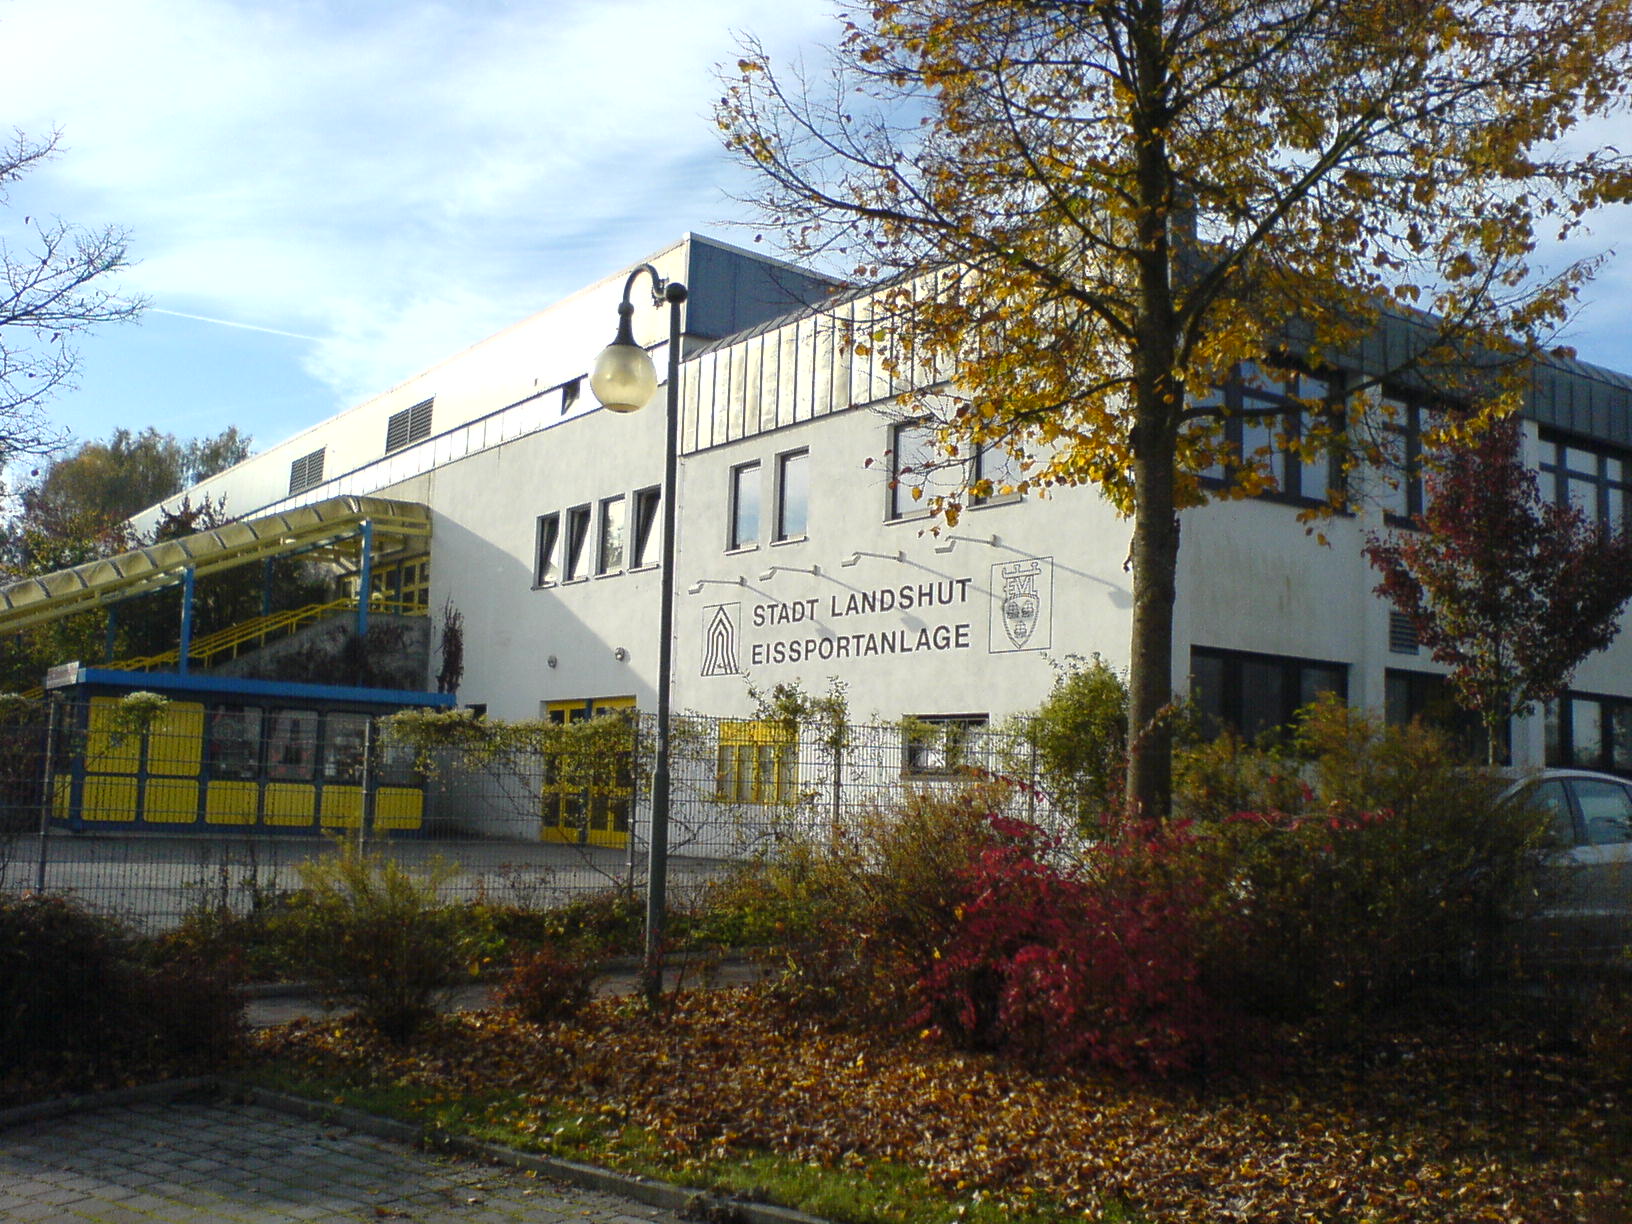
1355, 867
376, 937
1078, 738
83, 1000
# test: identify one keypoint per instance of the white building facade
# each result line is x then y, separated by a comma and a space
802, 557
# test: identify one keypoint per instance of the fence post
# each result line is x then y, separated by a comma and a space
366, 813
48, 793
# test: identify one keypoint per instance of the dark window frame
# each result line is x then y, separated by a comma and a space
745, 478
605, 561
954, 732
645, 512
1274, 401
576, 536
1557, 474
901, 504
1614, 733
1232, 694
547, 539
783, 462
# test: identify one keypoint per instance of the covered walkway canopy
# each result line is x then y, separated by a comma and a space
391, 524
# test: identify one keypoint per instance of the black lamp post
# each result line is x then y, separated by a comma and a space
623, 379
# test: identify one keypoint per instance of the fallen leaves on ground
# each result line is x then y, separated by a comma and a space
1422, 1127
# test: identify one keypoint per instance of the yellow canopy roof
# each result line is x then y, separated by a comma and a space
32, 601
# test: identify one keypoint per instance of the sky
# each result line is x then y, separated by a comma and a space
327, 196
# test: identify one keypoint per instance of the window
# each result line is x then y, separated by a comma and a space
306, 472
546, 566
1402, 494
609, 557
1265, 421
792, 494
756, 762
912, 455
1594, 478
402, 586
744, 506
577, 533
234, 745
291, 745
1590, 732
408, 426
1254, 693
345, 739
645, 542
941, 745
1411, 695
994, 462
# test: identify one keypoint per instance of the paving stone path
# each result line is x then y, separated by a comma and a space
205, 1160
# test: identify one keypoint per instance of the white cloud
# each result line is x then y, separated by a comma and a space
379, 174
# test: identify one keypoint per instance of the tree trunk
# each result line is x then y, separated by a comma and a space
1156, 412
1150, 659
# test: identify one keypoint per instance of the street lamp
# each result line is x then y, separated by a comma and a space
623, 379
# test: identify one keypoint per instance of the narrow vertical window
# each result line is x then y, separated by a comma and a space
609, 559
792, 494
643, 545
577, 533
744, 506
546, 566
912, 455
996, 472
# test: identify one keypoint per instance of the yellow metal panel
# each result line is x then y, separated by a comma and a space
398, 807
175, 745
170, 801
290, 803
342, 807
108, 749
231, 803
62, 795
608, 837
109, 798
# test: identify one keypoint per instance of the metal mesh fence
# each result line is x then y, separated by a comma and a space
152, 811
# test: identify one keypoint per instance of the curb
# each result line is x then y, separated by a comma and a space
689, 1203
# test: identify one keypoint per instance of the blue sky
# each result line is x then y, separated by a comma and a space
326, 196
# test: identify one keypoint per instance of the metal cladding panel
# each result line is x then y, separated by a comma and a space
788, 369
734, 388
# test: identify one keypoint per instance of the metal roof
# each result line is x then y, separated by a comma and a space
32, 601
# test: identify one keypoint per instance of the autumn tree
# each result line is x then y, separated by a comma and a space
55, 285
127, 473
1508, 591
1094, 210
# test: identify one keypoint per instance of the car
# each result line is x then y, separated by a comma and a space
1586, 910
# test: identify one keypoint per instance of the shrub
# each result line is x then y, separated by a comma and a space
1379, 875
81, 999
376, 937
548, 985
1063, 963
1078, 737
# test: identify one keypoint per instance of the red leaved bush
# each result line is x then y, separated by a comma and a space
1063, 962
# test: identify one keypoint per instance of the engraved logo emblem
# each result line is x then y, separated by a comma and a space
721, 639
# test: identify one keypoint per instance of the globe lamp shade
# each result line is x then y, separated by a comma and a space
624, 378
